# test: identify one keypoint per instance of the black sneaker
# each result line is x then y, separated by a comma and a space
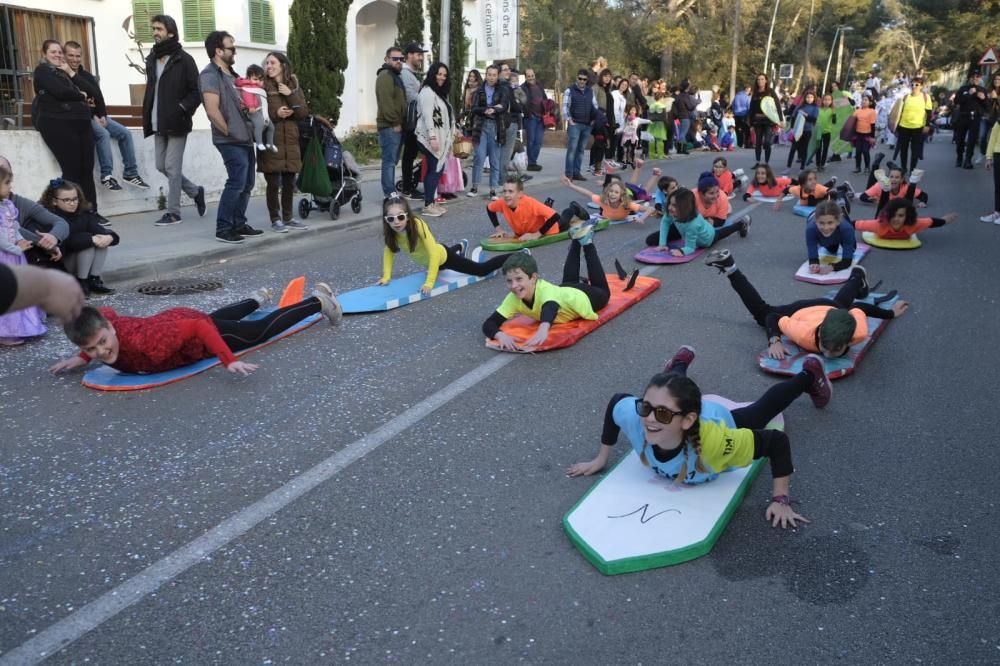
136, 181
415, 194
579, 212
167, 220
101, 220
110, 183
534, 167
248, 232
721, 259
229, 236
863, 274
97, 286
199, 201
579, 177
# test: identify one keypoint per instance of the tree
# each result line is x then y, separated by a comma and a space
458, 45
317, 47
409, 21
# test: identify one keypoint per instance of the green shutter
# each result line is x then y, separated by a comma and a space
199, 19
142, 12
261, 21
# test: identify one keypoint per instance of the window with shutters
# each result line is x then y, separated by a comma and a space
142, 12
261, 21
22, 32
199, 19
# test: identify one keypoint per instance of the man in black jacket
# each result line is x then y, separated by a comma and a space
106, 129
171, 99
971, 104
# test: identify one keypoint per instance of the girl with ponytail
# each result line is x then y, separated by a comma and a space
691, 441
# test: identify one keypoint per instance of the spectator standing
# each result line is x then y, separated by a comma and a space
534, 128
411, 74
579, 108
473, 82
435, 132
761, 124
619, 99
390, 98
914, 124
603, 149
286, 106
971, 106
232, 135
170, 101
491, 115
61, 113
741, 107
514, 126
105, 129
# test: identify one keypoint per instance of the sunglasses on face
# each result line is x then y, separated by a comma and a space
69, 199
663, 415
395, 218
582, 78
397, 58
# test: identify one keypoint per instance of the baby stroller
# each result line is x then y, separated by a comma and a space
340, 165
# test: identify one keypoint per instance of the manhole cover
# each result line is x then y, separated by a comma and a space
178, 287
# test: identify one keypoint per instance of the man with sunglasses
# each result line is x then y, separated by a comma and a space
232, 134
390, 98
579, 109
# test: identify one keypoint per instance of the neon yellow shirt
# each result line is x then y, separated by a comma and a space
573, 303
724, 448
429, 253
915, 108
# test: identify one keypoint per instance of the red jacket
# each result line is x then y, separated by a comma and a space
168, 340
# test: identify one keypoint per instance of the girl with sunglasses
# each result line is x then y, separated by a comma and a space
401, 229
683, 438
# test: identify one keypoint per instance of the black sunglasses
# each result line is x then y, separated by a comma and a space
397, 58
662, 414
582, 78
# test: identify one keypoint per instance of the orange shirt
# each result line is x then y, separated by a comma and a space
865, 121
884, 230
616, 212
781, 182
875, 192
819, 193
527, 218
726, 181
720, 209
801, 327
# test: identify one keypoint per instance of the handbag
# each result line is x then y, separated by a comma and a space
315, 177
462, 148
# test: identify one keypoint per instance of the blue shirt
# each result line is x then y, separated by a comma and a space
843, 239
741, 104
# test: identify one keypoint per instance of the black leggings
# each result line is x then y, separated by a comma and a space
800, 148
72, 143
629, 150
653, 239
862, 148
598, 291
824, 150
759, 309
910, 139
763, 136
461, 264
239, 333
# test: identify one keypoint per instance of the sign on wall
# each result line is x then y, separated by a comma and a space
499, 29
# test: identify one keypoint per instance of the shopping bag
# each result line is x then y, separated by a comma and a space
315, 177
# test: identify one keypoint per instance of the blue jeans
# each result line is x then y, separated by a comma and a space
241, 164
102, 141
389, 142
487, 145
433, 176
534, 131
682, 132
577, 134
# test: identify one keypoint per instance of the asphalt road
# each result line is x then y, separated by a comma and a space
392, 491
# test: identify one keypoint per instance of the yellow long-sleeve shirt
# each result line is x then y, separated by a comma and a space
429, 253
994, 145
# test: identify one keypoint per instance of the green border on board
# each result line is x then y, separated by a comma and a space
668, 557
507, 246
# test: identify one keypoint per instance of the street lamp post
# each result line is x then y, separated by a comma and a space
833, 45
770, 34
840, 53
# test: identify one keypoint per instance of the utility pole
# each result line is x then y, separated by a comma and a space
445, 36
804, 75
770, 34
736, 45
840, 56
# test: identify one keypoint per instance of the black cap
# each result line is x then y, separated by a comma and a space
975, 72
413, 47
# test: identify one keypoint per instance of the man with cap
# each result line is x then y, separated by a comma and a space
971, 104
390, 101
413, 67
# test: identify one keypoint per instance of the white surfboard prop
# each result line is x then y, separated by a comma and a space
634, 519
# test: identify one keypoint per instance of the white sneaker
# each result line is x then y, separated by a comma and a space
993, 217
261, 147
916, 175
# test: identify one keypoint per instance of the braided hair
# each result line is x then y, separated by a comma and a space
688, 397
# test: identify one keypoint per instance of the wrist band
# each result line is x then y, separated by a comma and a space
781, 499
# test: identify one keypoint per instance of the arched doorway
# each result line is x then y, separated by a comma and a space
375, 32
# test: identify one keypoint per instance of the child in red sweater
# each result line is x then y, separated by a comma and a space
178, 337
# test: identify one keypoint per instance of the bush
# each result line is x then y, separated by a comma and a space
363, 145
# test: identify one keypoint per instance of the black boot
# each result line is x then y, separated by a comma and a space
967, 164
958, 161
84, 286
96, 285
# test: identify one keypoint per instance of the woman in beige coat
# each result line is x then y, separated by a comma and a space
286, 105
435, 131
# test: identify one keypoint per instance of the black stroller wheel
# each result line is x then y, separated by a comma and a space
356, 204
334, 210
304, 208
